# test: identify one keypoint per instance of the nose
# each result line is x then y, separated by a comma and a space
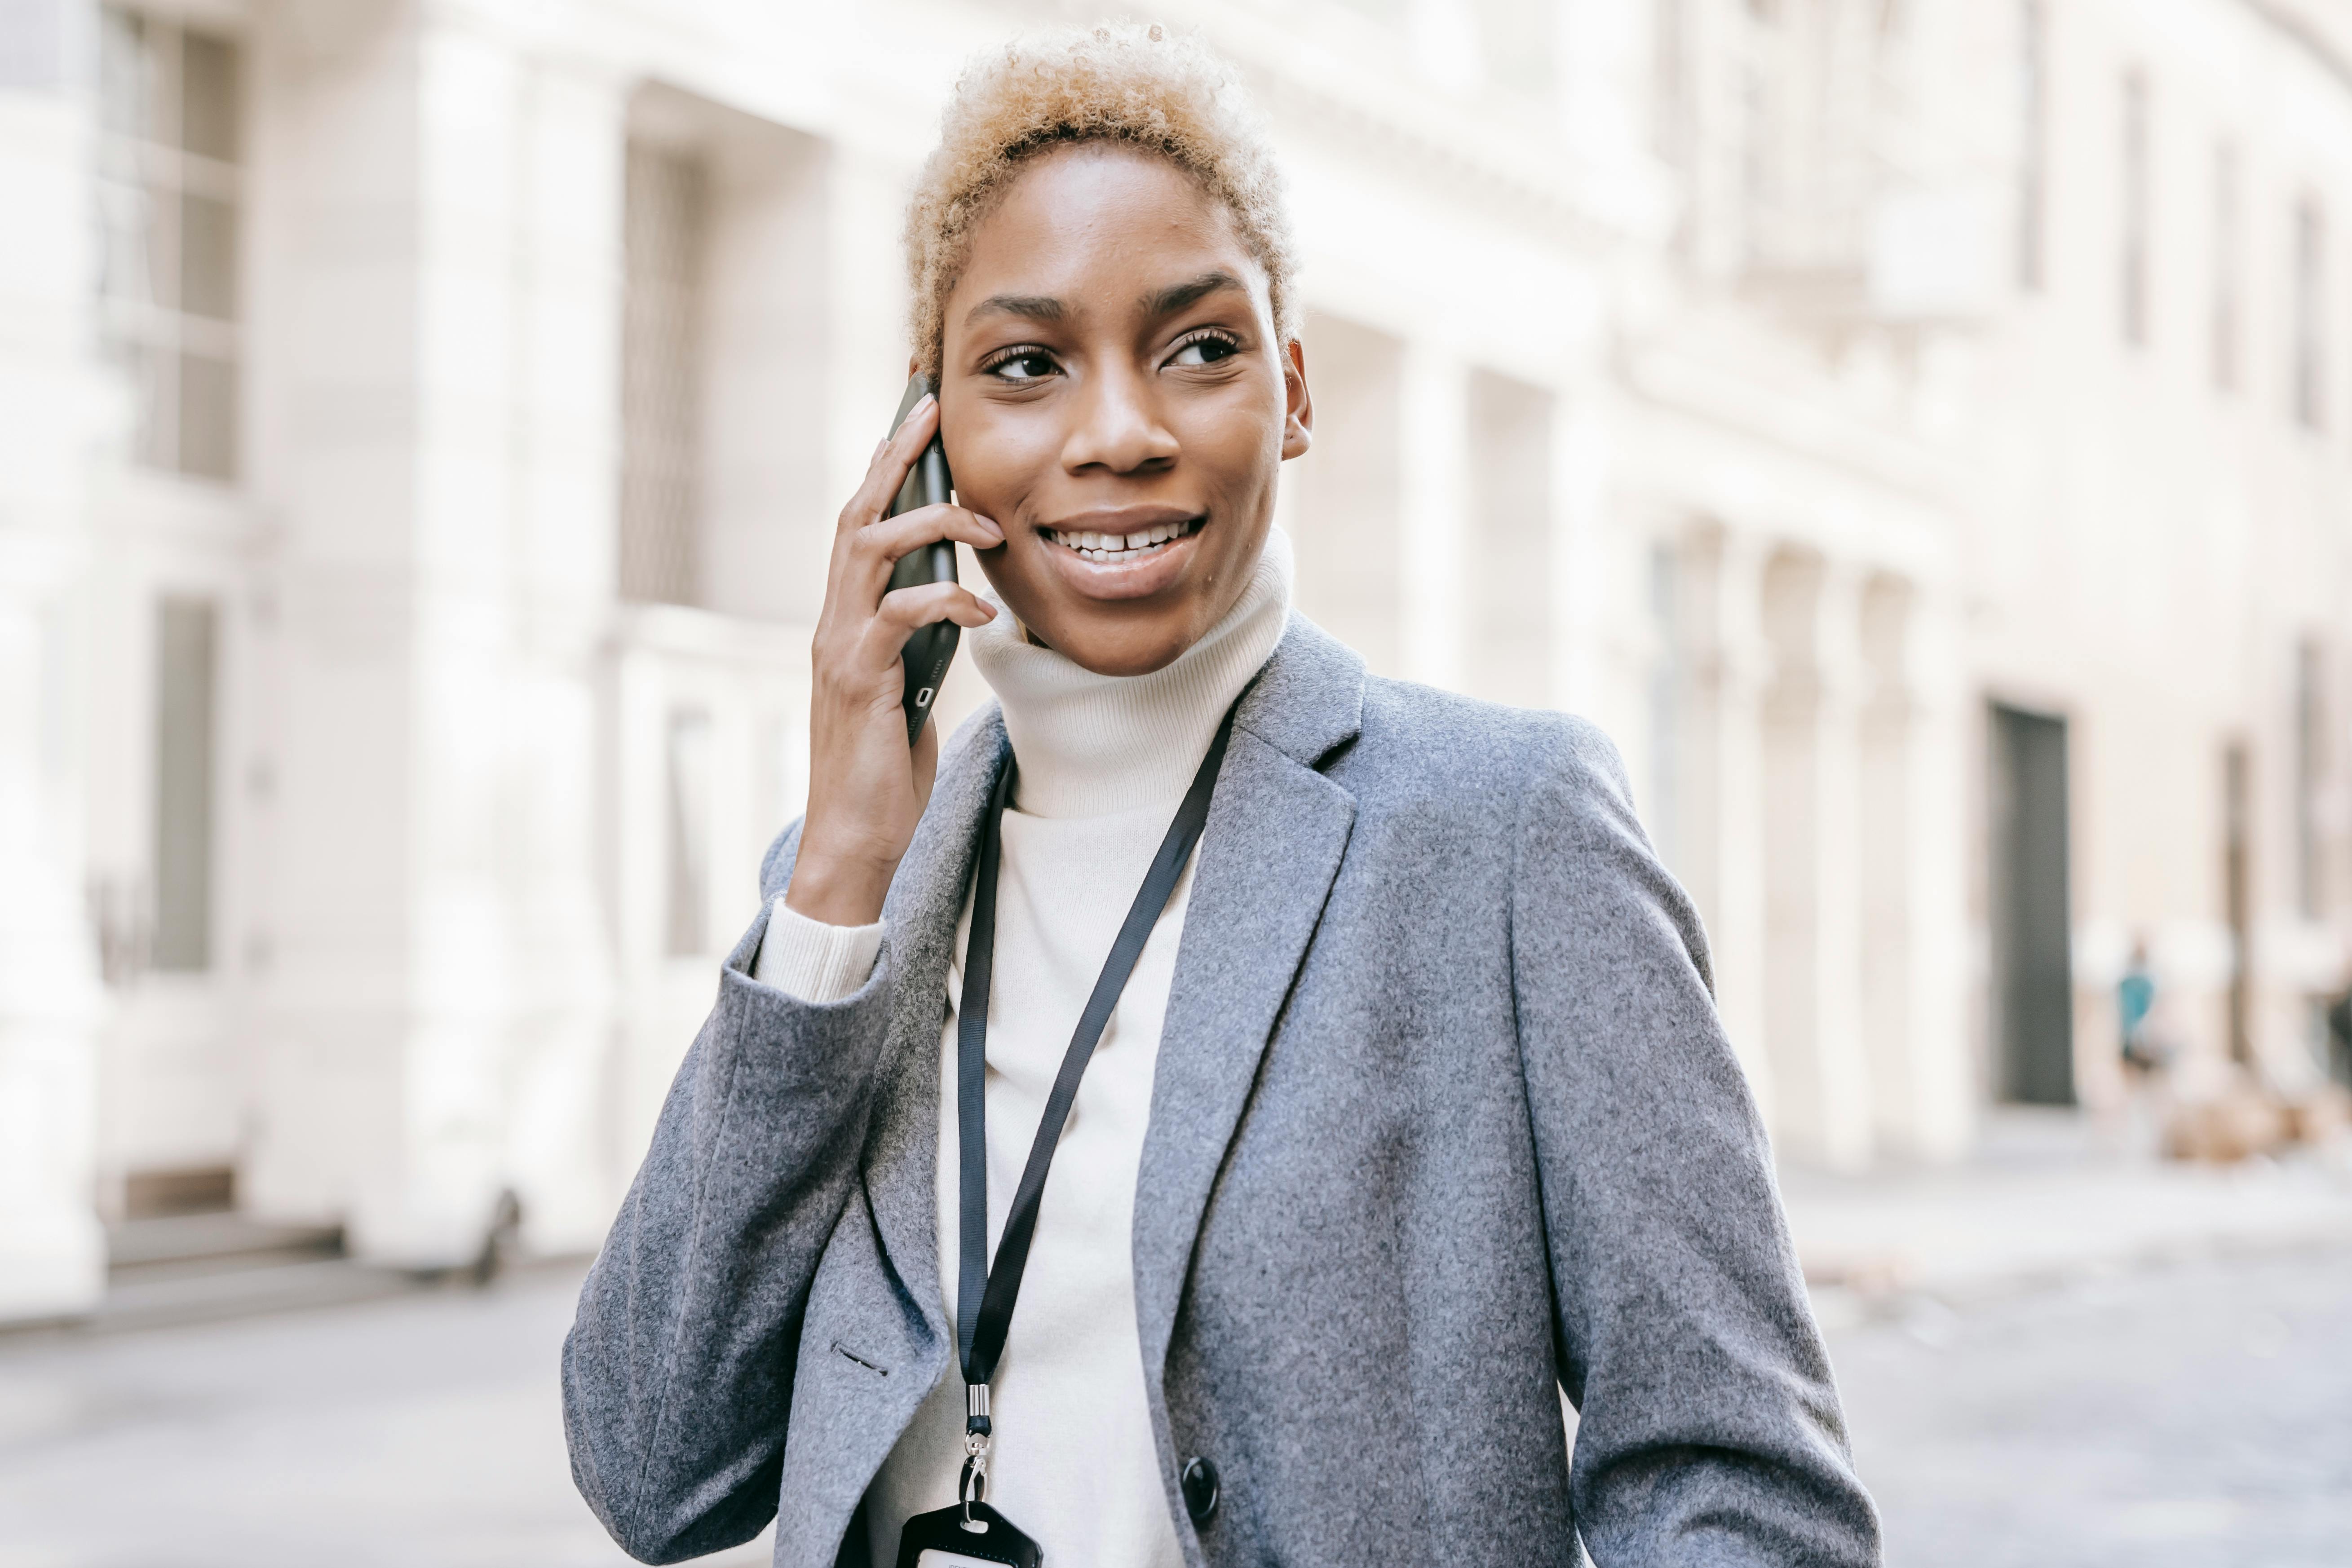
1118, 428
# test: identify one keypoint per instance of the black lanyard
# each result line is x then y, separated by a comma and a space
984, 1295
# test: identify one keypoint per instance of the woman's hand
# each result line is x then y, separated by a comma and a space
866, 787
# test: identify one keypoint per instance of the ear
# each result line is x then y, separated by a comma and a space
1297, 405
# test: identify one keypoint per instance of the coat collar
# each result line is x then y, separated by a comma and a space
1273, 841
1310, 700
920, 914
1278, 831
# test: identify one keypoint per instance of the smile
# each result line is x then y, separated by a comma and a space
1119, 549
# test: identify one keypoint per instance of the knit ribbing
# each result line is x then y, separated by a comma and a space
1091, 744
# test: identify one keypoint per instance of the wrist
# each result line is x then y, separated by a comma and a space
834, 890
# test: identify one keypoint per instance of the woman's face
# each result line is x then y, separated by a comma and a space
1113, 395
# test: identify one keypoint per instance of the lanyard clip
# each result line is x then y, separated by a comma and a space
971, 1487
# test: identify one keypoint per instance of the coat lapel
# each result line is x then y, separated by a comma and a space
926, 899
1275, 836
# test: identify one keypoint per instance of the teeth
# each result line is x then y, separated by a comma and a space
1120, 546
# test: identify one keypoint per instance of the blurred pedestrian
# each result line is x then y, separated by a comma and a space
2340, 1039
2135, 1001
1398, 1109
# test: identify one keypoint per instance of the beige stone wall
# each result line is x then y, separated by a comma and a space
1674, 366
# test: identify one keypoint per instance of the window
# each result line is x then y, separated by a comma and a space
2227, 279
2310, 315
1761, 111
661, 378
1671, 64
2135, 283
2034, 141
1510, 442
186, 664
168, 202
2310, 781
2237, 892
688, 767
1666, 698
1516, 46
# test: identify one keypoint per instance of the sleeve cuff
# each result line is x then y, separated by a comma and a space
813, 961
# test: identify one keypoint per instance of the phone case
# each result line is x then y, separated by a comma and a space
929, 651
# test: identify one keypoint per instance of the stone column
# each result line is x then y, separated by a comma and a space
1842, 1063
555, 1156
1608, 78
52, 1252
1434, 532
435, 1018
1723, 820
1939, 1112
1813, 987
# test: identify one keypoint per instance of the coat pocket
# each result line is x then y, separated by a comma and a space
856, 1358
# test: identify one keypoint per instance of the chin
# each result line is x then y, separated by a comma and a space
1116, 649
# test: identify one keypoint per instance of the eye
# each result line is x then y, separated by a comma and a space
1207, 349
1023, 365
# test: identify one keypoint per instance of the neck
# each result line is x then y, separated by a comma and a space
1088, 745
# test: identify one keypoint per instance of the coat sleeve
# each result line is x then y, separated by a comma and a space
1710, 1431
677, 1373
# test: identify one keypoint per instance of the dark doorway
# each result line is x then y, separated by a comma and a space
2033, 945
2237, 854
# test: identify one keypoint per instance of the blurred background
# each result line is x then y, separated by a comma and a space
1920, 432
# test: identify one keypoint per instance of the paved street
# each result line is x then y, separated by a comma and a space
417, 1432
2195, 1414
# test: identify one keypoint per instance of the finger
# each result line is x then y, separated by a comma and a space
892, 461
905, 611
879, 545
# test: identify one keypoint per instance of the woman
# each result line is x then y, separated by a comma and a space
1408, 1110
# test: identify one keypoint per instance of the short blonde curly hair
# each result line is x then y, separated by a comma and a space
1140, 86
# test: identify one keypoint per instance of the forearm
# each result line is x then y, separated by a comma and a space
679, 1363
1710, 1429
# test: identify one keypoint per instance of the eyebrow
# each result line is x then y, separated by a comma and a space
1159, 302
1031, 306
1178, 295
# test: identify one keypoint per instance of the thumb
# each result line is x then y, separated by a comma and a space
926, 762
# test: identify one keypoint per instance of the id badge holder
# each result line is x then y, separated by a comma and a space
969, 1536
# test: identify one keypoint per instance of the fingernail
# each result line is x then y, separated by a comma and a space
989, 524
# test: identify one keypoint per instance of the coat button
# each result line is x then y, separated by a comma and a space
1200, 1483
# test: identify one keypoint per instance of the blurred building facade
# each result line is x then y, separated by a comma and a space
1919, 430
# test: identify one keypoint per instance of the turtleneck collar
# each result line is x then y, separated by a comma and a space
1088, 745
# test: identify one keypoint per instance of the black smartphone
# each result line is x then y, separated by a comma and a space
927, 653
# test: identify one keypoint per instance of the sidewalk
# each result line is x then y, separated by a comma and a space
2043, 1205
417, 1430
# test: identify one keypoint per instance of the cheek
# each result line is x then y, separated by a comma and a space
1240, 444
997, 461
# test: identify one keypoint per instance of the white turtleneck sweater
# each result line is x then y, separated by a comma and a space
1103, 761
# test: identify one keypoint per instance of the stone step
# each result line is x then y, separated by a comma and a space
200, 1268
209, 1289
174, 1239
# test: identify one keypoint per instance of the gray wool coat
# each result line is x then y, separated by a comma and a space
1444, 1123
